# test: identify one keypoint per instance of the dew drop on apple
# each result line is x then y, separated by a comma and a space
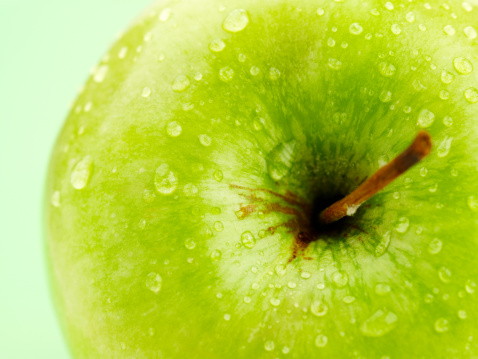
380, 323
385, 96
396, 29
292, 285
463, 65
226, 74
334, 64
444, 147
402, 225
181, 83
470, 32
205, 140
473, 203
279, 160
435, 246
382, 246
190, 190
142, 224
340, 279
189, 243
382, 289
255, 71
165, 180
447, 77
387, 69
320, 11
236, 21
425, 118
462, 314
122, 52
247, 299
227, 317
100, 73
444, 274
275, 302
321, 340
218, 175
274, 73
280, 270
173, 129
348, 299
318, 308
471, 95
146, 92
470, 286
355, 28
148, 196
56, 199
305, 275
410, 17
165, 14
81, 173
217, 45
269, 345
248, 239
389, 6
154, 282
449, 30
441, 325
218, 226
216, 254
285, 350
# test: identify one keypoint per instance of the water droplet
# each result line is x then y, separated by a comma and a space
181, 83
444, 274
379, 324
285, 350
189, 243
355, 28
389, 6
274, 73
100, 73
467, 6
321, 341
435, 246
280, 270
470, 286
410, 17
161, 56
269, 345
385, 96
227, 317
217, 45
174, 129
334, 64
56, 199
425, 118
340, 278
190, 190
165, 180
402, 225
216, 254
218, 175
387, 69
122, 52
205, 140
396, 29
441, 325
382, 246
449, 30
279, 160
305, 275
382, 289
462, 314
165, 14
318, 308
236, 21
148, 196
375, 12
247, 299
348, 299
218, 226
226, 74
255, 71
463, 65
81, 173
471, 95
331, 42
275, 302
470, 32
320, 11
248, 239
292, 285
154, 282
447, 77
444, 147
146, 92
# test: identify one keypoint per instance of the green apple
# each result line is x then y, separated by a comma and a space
184, 189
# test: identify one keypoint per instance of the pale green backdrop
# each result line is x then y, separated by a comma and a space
47, 48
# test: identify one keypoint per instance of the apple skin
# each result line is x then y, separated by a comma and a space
187, 168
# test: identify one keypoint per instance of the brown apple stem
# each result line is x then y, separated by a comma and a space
347, 206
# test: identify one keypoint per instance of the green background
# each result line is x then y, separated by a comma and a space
46, 51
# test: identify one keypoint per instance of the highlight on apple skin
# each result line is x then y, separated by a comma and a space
185, 188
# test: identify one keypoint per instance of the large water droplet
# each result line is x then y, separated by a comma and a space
236, 21
471, 95
280, 159
154, 282
165, 180
319, 308
81, 173
379, 324
387, 69
444, 147
181, 83
425, 118
248, 239
463, 65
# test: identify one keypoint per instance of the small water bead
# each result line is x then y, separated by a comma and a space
334, 64
355, 28
383, 245
433, 188
319, 308
286, 350
387, 69
56, 199
407, 109
181, 83
462, 314
154, 282
292, 285
248, 239
389, 6
146, 92
205, 140
396, 29
148, 196
189, 243
473, 203
216, 254
174, 129
375, 12
447, 77
190, 190
255, 71
122, 52
470, 32
444, 147
444, 274
379, 324
382, 289
305, 275
161, 56
422, 27
344, 45
471, 95
274, 73
348, 299
218, 175
236, 21
100, 73
217, 45
142, 224
385, 96
444, 95
462, 65
275, 302
340, 279
165, 14
254, 269
467, 6
331, 42
269, 345
227, 317
226, 74
447, 121
81, 173
280, 270
165, 180
425, 118
218, 226
441, 325
470, 286
402, 225
320, 11
449, 30
321, 341
435, 246
410, 17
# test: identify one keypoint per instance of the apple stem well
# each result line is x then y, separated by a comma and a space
347, 206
